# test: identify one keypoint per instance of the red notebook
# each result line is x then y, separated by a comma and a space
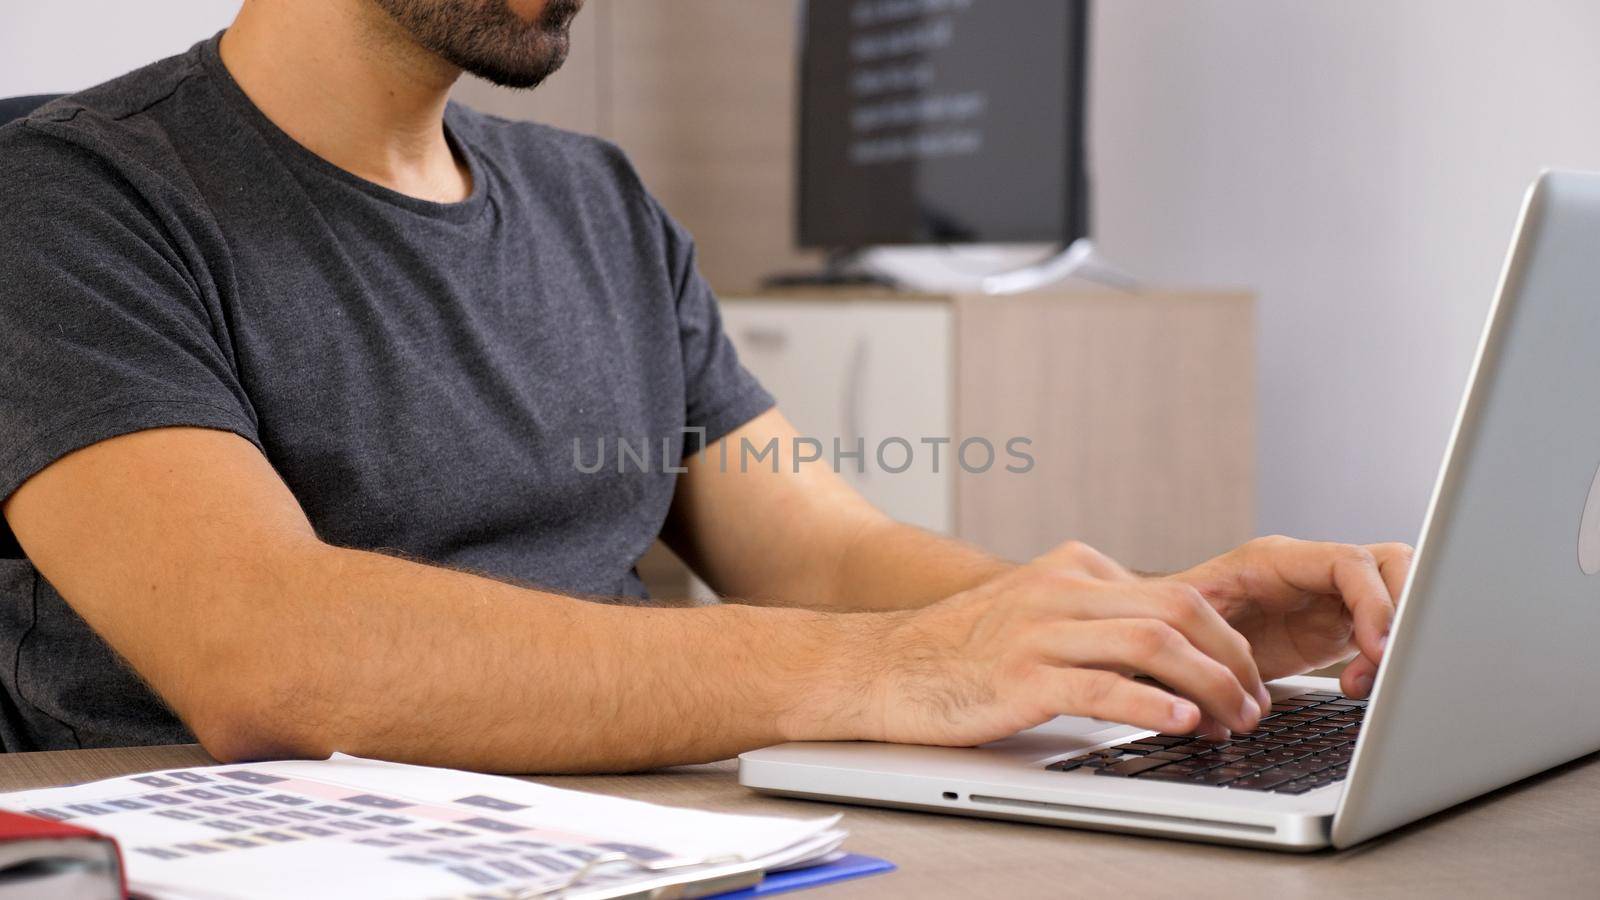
44, 858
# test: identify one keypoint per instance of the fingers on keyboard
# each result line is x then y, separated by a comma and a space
1302, 743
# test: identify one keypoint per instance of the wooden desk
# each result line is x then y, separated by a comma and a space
1537, 838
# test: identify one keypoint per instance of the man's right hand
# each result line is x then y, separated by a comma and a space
1047, 640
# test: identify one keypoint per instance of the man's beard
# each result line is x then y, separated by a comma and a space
486, 38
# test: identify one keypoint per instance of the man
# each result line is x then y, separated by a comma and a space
293, 350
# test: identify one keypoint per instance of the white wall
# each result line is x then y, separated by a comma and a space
53, 46
1360, 163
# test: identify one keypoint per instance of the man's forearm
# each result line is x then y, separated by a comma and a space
798, 535
383, 657
890, 565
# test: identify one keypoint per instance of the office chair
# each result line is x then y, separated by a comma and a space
17, 107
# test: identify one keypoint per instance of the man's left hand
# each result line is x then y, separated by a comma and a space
1304, 605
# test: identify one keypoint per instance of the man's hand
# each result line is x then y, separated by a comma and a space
1303, 605
1049, 639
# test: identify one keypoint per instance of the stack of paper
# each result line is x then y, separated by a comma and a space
353, 828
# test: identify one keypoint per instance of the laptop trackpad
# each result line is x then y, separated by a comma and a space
1062, 734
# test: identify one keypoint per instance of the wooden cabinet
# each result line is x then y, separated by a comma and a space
854, 373
1138, 411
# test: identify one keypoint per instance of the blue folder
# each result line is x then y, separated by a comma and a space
850, 865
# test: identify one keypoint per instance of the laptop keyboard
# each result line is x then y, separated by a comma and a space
1302, 743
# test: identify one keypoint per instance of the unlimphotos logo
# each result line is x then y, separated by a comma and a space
893, 455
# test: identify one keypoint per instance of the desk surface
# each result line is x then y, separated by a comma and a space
1536, 838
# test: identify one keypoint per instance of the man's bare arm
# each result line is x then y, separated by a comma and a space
188, 555
802, 536
185, 551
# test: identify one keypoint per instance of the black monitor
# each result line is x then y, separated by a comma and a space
942, 122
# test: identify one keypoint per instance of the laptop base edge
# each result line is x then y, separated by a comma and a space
1291, 833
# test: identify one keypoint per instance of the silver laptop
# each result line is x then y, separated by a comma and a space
1493, 667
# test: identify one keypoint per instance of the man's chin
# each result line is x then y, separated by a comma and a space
524, 73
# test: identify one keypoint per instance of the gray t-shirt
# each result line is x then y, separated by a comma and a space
418, 373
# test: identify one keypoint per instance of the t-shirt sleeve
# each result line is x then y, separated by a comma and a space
720, 393
103, 330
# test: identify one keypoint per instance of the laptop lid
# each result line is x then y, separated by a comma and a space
1493, 667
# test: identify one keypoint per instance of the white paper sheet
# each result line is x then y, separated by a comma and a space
356, 828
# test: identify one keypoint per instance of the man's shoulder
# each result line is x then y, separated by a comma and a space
102, 124
111, 107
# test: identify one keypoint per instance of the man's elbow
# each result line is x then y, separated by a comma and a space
247, 699
261, 721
